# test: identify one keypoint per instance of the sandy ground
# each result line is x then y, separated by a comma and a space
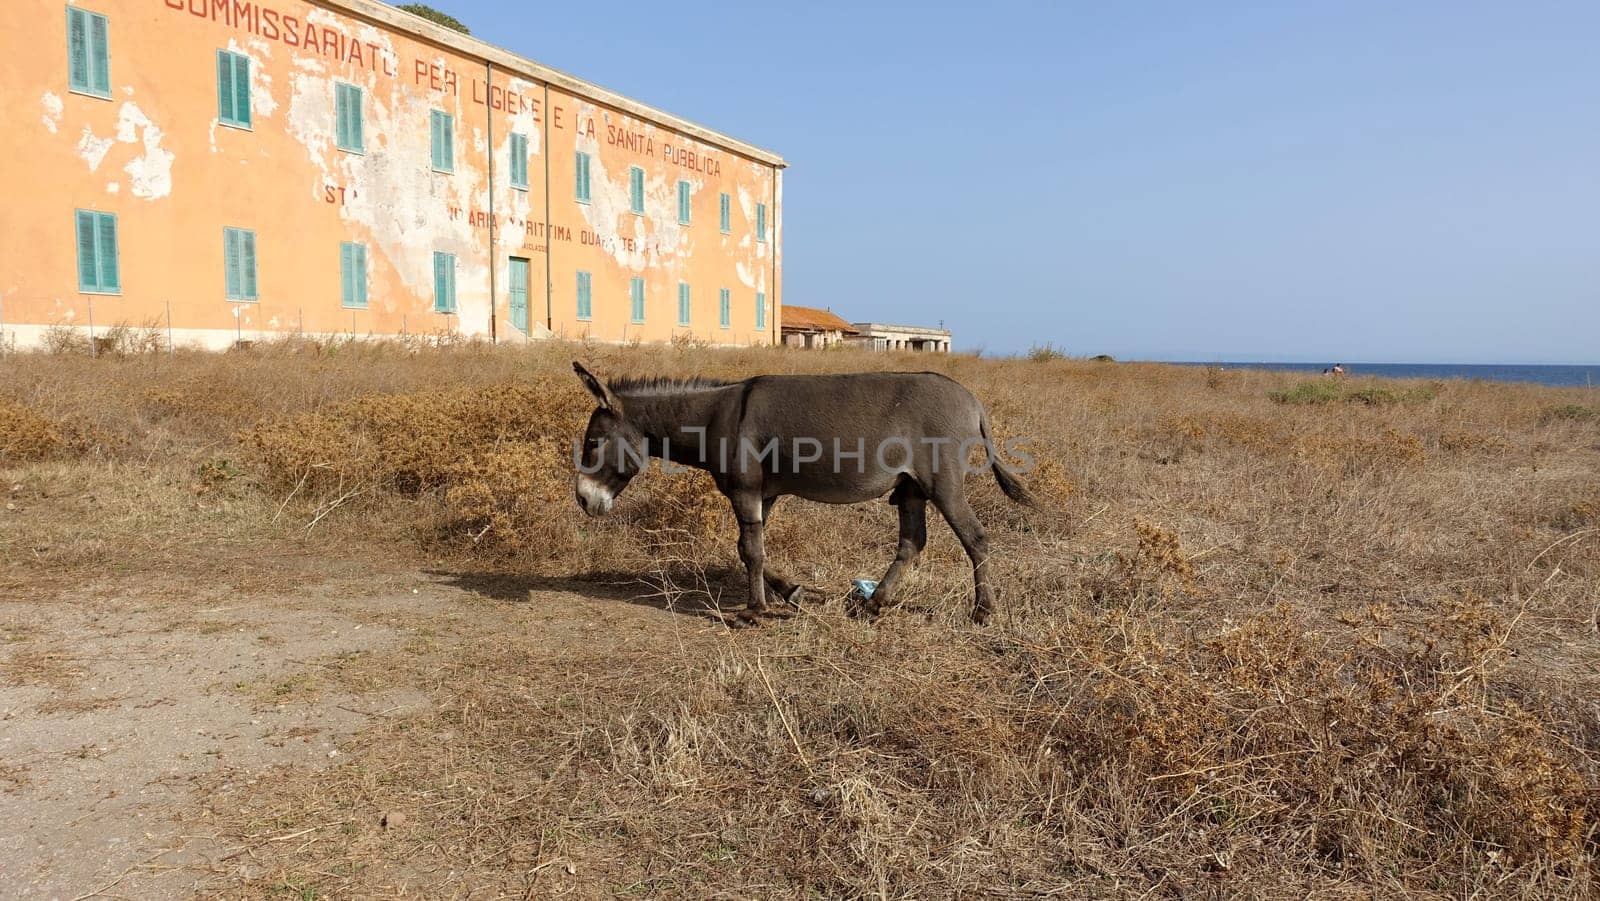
117, 701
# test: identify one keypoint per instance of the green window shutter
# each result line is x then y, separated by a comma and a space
519, 161
247, 246
88, 52
233, 88
78, 77
99, 265
106, 253
724, 308
88, 260
449, 146
241, 88
433, 139
581, 172
725, 212
636, 189
358, 134
100, 54
347, 117
441, 286
230, 256
444, 282
636, 289
585, 298
444, 139
683, 203
361, 274
224, 87
683, 303
347, 274
761, 222
761, 310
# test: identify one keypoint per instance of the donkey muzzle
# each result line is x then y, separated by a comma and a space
594, 497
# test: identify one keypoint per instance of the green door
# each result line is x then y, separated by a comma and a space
519, 293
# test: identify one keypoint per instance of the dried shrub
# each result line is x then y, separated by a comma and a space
1464, 442
25, 435
486, 465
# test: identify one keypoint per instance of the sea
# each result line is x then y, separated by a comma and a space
1558, 376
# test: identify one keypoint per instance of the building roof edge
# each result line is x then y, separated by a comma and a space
417, 26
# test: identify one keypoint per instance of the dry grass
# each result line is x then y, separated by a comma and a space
1256, 642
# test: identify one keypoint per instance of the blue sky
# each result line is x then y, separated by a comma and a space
1312, 181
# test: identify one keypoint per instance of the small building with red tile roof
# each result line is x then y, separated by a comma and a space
811, 327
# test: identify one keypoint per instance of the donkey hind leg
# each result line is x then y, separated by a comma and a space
913, 538
784, 588
951, 499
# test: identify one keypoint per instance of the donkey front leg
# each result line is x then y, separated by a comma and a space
913, 538
753, 553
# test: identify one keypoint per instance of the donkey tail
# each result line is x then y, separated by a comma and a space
1007, 479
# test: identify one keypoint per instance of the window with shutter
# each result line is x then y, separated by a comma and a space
353, 274
683, 203
636, 189
761, 222
585, 296
724, 308
444, 282
683, 303
761, 310
725, 213
239, 263
443, 134
233, 89
88, 53
350, 134
519, 161
98, 263
636, 289
581, 172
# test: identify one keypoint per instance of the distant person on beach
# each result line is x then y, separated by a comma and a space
1336, 371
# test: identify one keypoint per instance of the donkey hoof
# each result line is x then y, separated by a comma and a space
792, 599
865, 608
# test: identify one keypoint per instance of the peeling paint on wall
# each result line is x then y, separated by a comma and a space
149, 175
93, 149
53, 109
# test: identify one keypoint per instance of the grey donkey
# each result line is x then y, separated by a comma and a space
838, 439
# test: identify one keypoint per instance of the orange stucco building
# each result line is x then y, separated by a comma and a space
249, 169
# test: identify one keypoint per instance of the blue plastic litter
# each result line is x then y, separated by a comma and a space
866, 587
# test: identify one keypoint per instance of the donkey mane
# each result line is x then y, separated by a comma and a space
660, 384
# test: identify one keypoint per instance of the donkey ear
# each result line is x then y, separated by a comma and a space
599, 391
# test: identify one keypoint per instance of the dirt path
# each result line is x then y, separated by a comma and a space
115, 702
